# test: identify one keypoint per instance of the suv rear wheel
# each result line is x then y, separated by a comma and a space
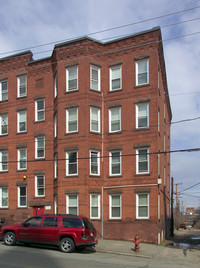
9, 239
66, 245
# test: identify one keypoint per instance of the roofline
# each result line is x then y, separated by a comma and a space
81, 38
17, 55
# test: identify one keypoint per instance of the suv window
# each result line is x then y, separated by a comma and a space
36, 221
50, 222
88, 224
72, 223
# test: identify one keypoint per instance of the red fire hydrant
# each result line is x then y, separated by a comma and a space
137, 242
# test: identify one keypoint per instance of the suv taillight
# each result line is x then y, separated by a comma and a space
83, 235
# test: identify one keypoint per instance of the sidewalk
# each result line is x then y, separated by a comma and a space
147, 251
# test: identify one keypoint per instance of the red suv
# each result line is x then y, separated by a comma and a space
66, 231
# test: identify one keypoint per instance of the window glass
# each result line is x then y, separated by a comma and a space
35, 221
72, 223
50, 222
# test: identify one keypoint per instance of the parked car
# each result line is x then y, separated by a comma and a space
63, 230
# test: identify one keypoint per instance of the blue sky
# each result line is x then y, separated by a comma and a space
28, 23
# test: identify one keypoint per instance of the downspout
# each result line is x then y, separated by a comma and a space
102, 164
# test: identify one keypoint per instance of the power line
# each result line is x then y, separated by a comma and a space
106, 30
190, 187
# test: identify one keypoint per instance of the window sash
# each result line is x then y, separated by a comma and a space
40, 147
115, 78
3, 90
72, 163
4, 161
4, 124
72, 204
142, 72
40, 110
22, 196
22, 159
95, 119
142, 158
95, 78
22, 121
72, 120
115, 163
40, 185
115, 119
22, 86
142, 113
4, 197
142, 202
95, 206
115, 206
72, 78
94, 163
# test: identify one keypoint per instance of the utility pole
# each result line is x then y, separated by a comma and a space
177, 205
172, 208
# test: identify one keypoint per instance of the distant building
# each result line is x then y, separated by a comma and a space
89, 128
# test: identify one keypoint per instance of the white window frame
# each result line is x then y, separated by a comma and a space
3, 92
137, 114
111, 77
137, 161
37, 111
20, 159
98, 162
68, 79
1, 124
137, 206
38, 187
68, 120
19, 121
2, 162
94, 206
19, 196
137, 72
55, 126
68, 201
98, 119
55, 85
111, 163
111, 206
39, 148
19, 94
98, 81
111, 121
67, 163
1, 197
55, 166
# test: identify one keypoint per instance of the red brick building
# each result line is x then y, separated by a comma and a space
88, 127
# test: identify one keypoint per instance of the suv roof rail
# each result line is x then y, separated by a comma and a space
68, 215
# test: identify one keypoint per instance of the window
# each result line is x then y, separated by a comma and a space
115, 163
95, 163
94, 119
142, 72
4, 124
115, 119
55, 165
72, 204
22, 196
3, 90
39, 186
21, 121
4, 161
55, 126
95, 78
72, 120
3, 197
22, 159
142, 115
142, 160
21, 86
71, 163
72, 78
50, 222
95, 206
142, 203
55, 85
115, 78
39, 147
39, 110
115, 206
